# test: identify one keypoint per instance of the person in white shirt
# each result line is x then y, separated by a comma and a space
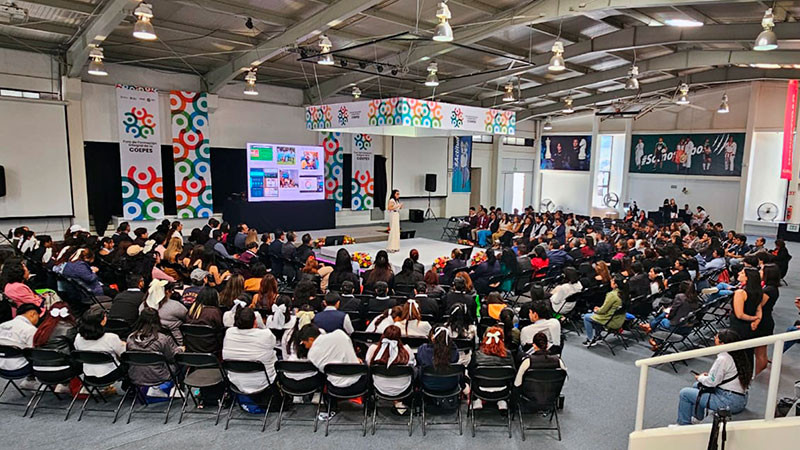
730, 154
560, 293
93, 337
247, 342
391, 350
411, 323
228, 316
18, 332
385, 319
717, 262
540, 315
639, 153
725, 384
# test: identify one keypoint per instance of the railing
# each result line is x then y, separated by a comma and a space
774, 376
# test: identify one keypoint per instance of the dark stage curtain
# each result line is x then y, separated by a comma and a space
380, 182
228, 174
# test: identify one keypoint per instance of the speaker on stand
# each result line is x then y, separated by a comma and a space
430, 186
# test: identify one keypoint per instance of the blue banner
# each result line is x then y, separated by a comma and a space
462, 163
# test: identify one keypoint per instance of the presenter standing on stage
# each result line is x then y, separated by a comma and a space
394, 222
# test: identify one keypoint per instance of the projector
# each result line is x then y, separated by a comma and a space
11, 13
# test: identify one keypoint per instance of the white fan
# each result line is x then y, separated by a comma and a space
547, 205
611, 200
767, 211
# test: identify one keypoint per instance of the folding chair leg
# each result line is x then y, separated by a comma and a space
364, 424
119, 407
521, 422
83, 406
424, 418
33, 399
374, 414
230, 410
471, 412
266, 414
183, 406
411, 417
219, 407
460, 426
328, 418
69, 408
280, 413
133, 402
558, 425
316, 416
36, 404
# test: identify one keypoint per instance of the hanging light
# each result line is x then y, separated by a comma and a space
509, 97
144, 29
683, 98
356, 92
432, 80
443, 31
96, 64
548, 125
683, 23
724, 108
632, 84
767, 40
250, 79
557, 61
326, 59
568, 106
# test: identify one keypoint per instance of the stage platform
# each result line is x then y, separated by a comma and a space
362, 234
429, 250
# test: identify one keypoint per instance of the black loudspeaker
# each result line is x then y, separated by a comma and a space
2, 181
416, 215
430, 182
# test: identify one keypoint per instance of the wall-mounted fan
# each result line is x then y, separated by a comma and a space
611, 200
547, 205
767, 211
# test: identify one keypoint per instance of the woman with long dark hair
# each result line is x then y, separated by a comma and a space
13, 280
267, 292
407, 274
381, 271
482, 272
747, 312
394, 206
439, 353
461, 327
57, 329
92, 336
343, 271
771, 275
509, 266
391, 351
205, 311
147, 337
724, 386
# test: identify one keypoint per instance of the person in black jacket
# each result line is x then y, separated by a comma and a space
276, 253
126, 304
343, 271
348, 302
304, 250
381, 302
427, 305
458, 294
455, 262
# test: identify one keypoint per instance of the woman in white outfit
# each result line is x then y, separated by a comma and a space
394, 222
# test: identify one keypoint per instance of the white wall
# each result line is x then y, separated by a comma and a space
567, 189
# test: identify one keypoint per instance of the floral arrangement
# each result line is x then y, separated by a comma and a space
320, 242
363, 259
478, 258
465, 242
440, 262
349, 240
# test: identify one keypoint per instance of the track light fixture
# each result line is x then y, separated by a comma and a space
509, 97
767, 40
394, 71
683, 97
96, 67
568, 106
250, 79
379, 68
724, 108
557, 61
443, 31
632, 83
548, 125
325, 59
143, 29
356, 92
432, 80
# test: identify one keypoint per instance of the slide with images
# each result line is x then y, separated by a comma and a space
281, 172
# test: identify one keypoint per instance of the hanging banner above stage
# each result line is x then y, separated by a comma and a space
140, 153
409, 117
334, 167
192, 154
363, 184
715, 154
462, 163
789, 122
566, 152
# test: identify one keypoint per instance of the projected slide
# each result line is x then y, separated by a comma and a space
278, 172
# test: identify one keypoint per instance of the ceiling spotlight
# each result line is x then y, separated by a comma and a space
394, 71
568, 106
144, 29
379, 68
249, 23
632, 84
96, 64
767, 40
343, 62
250, 79
356, 92
724, 108
548, 125
683, 23
557, 61
443, 31
683, 98
509, 97
432, 80
326, 59
362, 65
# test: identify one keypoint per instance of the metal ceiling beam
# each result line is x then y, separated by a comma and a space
67, 5
715, 76
241, 9
316, 24
98, 30
477, 6
526, 14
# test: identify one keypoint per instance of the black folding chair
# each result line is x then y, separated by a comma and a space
94, 384
397, 372
450, 229
195, 337
149, 359
119, 327
8, 352
202, 370
245, 367
404, 289
43, 365
540, 391
607, 332
483, 377
346, 370
289, 387
668, 340
453, 372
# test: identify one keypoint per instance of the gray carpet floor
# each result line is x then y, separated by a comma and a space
598, 414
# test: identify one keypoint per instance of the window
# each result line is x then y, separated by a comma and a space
608, 175
517, 141
28, 94
483, 138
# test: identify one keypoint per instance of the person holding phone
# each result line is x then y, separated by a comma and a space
788, 344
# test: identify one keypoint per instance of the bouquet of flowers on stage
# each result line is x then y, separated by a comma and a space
466, 242
478, 258
363, 259
440, 262
349, 240
320, 242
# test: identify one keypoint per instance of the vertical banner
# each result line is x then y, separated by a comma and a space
363, 184
789, 121
192, 154
334, 166
462, 163
140, 153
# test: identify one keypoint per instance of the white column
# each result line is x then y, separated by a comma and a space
537, 163
623, 196
794, 183
77, 163
752, 110
497, 173
593, 163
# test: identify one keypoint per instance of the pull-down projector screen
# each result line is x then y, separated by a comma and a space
34, 152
